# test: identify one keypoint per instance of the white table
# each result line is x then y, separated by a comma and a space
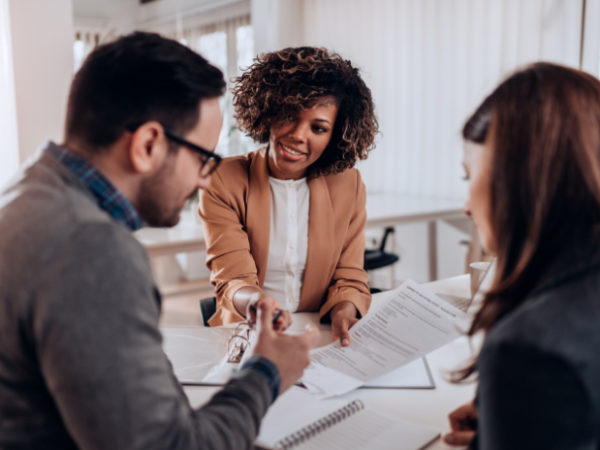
185, 237
388, 209
427, 406
383, 209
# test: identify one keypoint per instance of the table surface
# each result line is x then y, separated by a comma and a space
383, 209
389, 209
427, 406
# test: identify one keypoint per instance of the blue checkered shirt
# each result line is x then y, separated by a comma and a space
109, 198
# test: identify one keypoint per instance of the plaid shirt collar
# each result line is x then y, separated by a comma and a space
109, 198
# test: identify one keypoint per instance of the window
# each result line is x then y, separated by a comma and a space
85, 41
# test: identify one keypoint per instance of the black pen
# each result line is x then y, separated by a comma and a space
276, 316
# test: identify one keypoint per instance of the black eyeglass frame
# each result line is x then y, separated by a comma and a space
209, 156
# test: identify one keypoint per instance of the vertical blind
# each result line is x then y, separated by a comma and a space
428, 64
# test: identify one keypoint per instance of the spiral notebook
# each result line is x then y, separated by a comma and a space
298, 420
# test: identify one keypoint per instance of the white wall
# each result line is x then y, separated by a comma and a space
276, 24
9, 150
590, 56
429, 63
42, 49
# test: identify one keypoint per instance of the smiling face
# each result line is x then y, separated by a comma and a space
296, 144
477, 162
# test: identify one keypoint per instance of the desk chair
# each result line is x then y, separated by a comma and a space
208, 306
378, 258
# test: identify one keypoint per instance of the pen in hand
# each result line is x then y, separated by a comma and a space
276, 316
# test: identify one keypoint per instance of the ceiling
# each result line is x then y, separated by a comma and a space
109, 12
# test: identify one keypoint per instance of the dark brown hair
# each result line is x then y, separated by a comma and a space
543, 126
281, 84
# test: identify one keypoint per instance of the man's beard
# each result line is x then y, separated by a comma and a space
154, 206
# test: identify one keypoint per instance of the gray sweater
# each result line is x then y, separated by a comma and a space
81, 362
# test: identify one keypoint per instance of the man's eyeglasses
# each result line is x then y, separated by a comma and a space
210, 160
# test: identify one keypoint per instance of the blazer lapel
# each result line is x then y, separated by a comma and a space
320, 244
258, 212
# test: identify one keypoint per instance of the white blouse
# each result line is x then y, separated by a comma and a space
288, 244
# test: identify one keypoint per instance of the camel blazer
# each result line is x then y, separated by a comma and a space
235, 212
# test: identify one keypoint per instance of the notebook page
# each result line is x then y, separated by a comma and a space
369, 429
297, 408
293, 410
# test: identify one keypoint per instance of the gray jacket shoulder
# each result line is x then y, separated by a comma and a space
562, 320
50, 204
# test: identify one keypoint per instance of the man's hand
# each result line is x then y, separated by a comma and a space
288, 353
343, 316
463, 422
246, 299
284, 320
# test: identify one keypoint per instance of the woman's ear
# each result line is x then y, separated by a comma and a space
147, 148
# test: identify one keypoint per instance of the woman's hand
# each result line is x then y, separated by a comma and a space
463, 422
343, 316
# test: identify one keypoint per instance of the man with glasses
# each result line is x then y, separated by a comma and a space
81, 362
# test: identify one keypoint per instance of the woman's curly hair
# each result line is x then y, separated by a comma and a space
278, 85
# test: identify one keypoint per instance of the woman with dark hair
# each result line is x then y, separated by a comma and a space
532, 157
286, 223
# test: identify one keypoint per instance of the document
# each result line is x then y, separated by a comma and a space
405, 324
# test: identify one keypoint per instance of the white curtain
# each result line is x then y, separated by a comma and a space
9, 150
429, 63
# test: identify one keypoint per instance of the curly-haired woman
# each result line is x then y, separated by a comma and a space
285, 224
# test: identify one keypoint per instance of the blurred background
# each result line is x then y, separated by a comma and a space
427, 62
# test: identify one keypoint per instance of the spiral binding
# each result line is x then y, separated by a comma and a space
320, 425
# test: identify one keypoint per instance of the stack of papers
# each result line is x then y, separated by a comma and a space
403, 325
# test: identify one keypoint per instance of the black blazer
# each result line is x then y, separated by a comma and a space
539, 368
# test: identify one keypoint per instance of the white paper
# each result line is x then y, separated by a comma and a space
194, 351
199, 354
408, 323
221, 372
415, 375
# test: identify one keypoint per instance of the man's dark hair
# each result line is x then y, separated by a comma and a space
135, 79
